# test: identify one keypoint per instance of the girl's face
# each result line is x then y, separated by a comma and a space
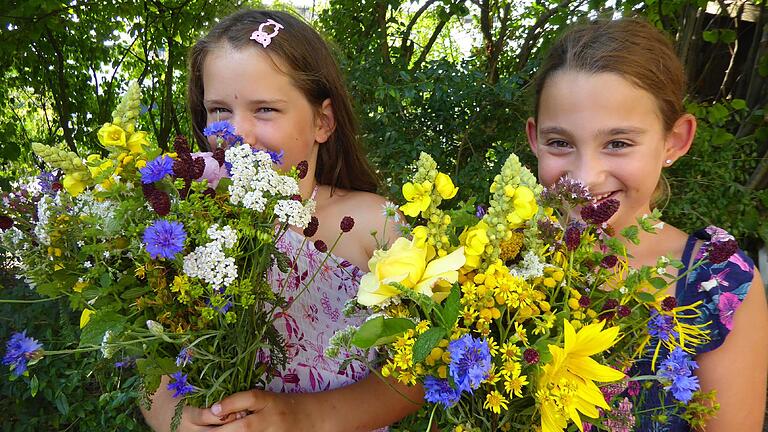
245, 88
608, 133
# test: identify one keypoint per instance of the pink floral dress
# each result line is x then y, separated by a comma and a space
313, 315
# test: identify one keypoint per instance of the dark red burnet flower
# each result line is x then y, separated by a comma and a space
5, 222
347, 223
185, 166
218, 155
609, 261
531, 356
623, 311
311, 228
572, 237
599, 213
302, 168
321, 246
609, 309
668, 303
159, 200
720, 252
584, 301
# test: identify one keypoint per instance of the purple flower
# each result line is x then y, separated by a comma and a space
438, 390
727, 304
566, 190
184, 357
277, 157
126, 362
481, 211
164, 238
661, 326
19, 350
677, 371
46, 180
179, 385
470, 362
157, 169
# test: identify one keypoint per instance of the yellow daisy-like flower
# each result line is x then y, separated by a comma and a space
567, 384
514, 384
510, 351
495, 401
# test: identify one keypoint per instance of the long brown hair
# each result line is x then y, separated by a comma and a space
632, 49
313, 70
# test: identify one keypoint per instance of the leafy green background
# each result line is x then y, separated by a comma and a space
416, 88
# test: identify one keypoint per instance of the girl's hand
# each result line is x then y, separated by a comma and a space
256, 410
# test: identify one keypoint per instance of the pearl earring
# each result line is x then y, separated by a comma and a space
668, 161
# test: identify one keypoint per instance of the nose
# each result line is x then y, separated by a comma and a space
590, 170
245, 127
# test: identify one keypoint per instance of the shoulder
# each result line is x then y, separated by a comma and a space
720, 277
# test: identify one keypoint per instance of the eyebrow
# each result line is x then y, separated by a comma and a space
253, 102
628, 130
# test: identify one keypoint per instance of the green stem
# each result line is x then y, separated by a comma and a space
31, 301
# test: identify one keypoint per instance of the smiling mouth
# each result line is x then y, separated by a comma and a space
596, 198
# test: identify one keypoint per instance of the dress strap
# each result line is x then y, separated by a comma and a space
686, 260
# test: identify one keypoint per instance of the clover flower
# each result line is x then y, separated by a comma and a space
19, 350
438, 390
677, 370
157, 169
164, 239
179, 385
470, 362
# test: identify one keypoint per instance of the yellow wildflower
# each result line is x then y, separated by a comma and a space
495, 401
85, 317
445, 187
418, 197
111, 135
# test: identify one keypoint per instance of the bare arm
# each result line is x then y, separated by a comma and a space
738, 370
368, 404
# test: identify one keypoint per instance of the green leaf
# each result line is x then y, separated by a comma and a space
100, 323
33, 386
379, 331
728, 35
451, 307
134, 292
658, 283
630, 233
645, 297
739, 104
62, 404
426, 341
710, 36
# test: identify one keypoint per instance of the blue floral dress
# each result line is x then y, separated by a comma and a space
721, 288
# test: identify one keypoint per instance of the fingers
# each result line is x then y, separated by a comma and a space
204, 417
246, 401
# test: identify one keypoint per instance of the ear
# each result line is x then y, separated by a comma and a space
325, 122
533, 136
680, 138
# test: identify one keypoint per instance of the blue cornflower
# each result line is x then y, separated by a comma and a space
19, 350
438, 390
677, 369
470, 362
184, 357
277, 157
179, 385
126, 362
157, 169
219, 129
164, 238
661, 326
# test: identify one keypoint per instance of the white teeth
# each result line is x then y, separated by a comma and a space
597, 198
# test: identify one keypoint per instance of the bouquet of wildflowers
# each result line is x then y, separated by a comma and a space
520, 316
166, 255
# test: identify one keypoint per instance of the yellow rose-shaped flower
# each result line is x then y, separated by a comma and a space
73, 184
112, 136
474, 241
136, 141
418, 196
525, 207
406, 263
445, 186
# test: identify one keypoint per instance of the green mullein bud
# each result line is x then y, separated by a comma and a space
127, 112
67, 161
